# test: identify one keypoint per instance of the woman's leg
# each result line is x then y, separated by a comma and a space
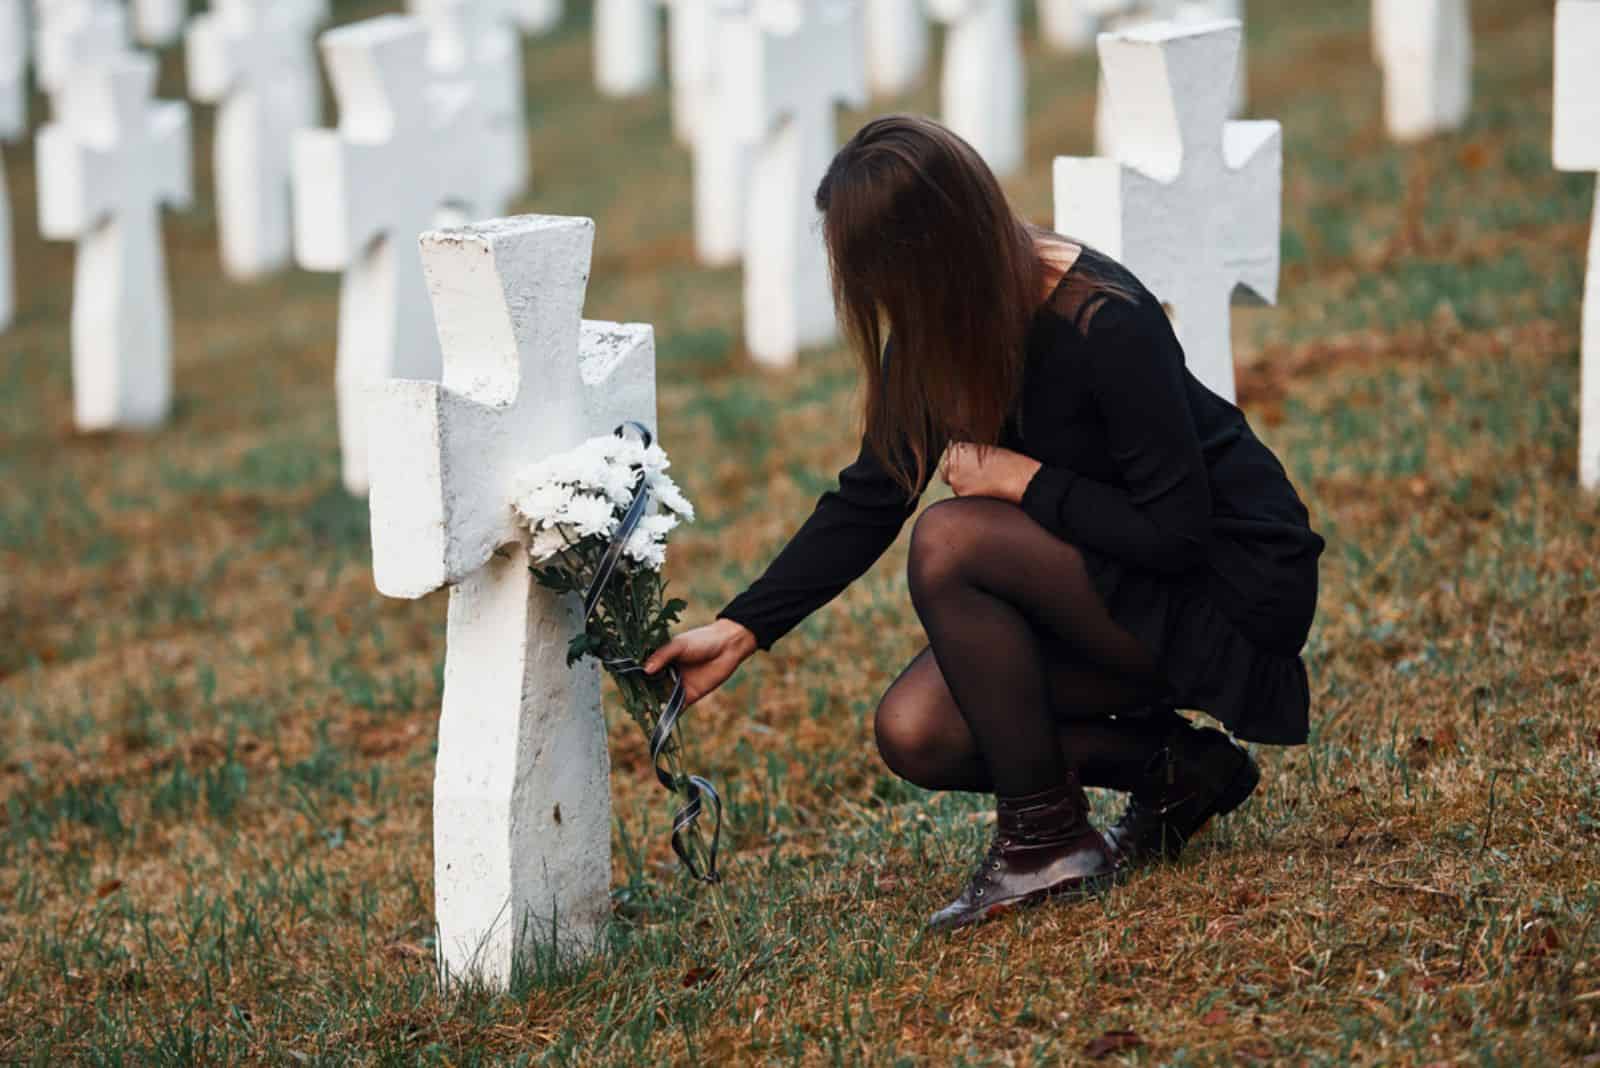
924, 739
997, 595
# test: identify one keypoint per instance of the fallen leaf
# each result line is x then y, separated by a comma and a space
407, 951
1419, 752
1215, 1018
1473, 157
107, 888
1111, 1042
700, 973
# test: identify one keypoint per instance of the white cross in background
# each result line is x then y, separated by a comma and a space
1577, 148
627, 46
1193, 204
106, 165
73, 34
981, 92
160, 22
788, 63
896, 44
255, 59
1425, 49
522, 809
407, 154
478, 40
13, 69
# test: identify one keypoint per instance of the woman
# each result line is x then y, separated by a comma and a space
1120, 544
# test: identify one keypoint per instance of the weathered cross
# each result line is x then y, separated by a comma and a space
627, 45
896, 45
522, 810
1425, 49
537, 16
1126, 15
787, 63
1577, 148
981, 91
13, 69
1193, 204
255, 59
691, 63
106, 165
160, 22
719, 149
74, 34
407, 149
477, 41
1071, 25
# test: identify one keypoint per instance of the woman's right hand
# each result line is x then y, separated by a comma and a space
705, 656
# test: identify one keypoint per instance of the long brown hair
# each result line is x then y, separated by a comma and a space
923, 243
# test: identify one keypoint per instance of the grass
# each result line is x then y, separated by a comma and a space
216, 762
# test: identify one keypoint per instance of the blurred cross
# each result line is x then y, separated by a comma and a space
896, 44
160, 22
981, 90
1577, 148
477, 41
74, 34
788, 63
1193, 204
13, 69
406, 156
522, 809
106, 165
1425, 49
627, 45
254, 58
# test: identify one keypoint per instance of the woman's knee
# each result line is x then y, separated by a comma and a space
949, 539
914, 742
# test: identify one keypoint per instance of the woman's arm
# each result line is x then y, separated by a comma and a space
1160, 518
850, 528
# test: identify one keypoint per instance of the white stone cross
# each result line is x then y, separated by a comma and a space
720, 150
788, 63
106, 165
981, 91
627, 46
1071, 25
160, 22
407, 150
13, 69
477, 41
1577, 148
1188, 12
537, 17
1425, 49
691, 64
1194, 204
896, 44
74, 34
255, 59
521, 802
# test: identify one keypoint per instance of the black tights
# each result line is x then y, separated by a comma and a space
1025, 670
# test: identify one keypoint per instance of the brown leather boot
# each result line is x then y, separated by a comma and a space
1044, 846
1197, 775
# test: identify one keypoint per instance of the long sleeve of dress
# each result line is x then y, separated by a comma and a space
1160, 517
850, 528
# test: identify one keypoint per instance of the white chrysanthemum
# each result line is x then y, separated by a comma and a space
546, 544
589, 515
643, 548
671, 497
619, 483
542, 502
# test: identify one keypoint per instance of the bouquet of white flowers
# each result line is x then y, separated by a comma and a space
599, 517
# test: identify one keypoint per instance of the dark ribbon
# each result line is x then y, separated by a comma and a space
693, 787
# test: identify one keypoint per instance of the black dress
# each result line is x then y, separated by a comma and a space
1193, 534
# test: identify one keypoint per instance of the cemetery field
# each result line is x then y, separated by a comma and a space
217, 746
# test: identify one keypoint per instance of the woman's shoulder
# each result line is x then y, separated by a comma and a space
1098, 295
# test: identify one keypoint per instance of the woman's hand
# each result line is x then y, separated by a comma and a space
997, 472
705, 656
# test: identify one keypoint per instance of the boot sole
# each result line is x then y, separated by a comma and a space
1083, 890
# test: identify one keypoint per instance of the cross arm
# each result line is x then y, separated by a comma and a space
211, 53
338, 197
1250, 237
71, 202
